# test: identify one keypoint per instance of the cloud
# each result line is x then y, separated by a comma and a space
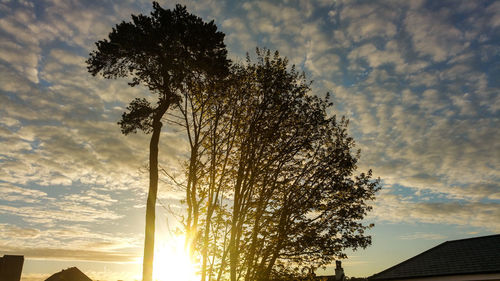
279, 13
421, 235
69, 243
24, 60
91, 197
416, 79
323, 64
238, 35
10, 192
60, 212
368, 20
375, 57
63, 132
433, 35
494, 9
396, 208
14, 231
34, 276
71, 254
418, 126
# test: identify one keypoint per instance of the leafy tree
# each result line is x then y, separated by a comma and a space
210, 138
276, 178
167, 52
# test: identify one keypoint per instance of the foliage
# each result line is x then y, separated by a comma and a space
276, 191
167, 52
272, 188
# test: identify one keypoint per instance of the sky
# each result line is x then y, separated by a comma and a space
419, 81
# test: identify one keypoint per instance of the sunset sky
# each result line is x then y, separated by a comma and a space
419, 80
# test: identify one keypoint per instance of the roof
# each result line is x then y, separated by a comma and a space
477, 255
70, 274
11, 267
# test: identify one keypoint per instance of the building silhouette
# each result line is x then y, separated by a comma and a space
11, 267
466, 259
70, 274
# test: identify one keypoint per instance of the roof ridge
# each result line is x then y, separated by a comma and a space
428, 250
471, 238
409, 259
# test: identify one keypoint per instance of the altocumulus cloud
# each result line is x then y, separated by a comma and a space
418, 80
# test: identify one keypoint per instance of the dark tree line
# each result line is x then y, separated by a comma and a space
271, 183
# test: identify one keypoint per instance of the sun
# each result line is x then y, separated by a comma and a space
171, 262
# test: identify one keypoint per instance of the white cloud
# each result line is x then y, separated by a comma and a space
416, 84
433, 35
369, 20
10, 231
10, 192
63, 211
494, 9
424, 236
24, 60
392, 208
323, 65
374, 56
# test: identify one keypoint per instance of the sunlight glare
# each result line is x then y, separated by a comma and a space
171, 262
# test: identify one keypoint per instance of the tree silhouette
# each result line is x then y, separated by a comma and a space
167, 52
275, 176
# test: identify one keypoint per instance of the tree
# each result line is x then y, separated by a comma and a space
167, 52
210, 139
276, 177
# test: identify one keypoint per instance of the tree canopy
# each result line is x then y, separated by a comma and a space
271, 183
166, 52
275, 177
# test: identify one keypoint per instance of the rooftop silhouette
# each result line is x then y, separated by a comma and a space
11, 267
479, 255
70, 274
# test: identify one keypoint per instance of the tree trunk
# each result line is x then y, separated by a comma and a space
282, 234
233, 251
204, 250
149, 239
233, 244
255, 231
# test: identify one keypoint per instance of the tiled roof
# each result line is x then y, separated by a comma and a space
467, 256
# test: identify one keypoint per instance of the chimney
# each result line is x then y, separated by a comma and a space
339, 271
11, 268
